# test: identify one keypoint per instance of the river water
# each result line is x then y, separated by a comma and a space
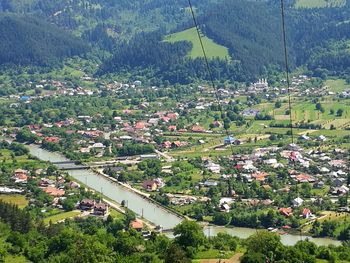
150, 211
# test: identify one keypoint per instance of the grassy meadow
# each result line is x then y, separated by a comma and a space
212, 49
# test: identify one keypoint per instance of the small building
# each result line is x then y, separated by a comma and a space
86, 204
53, 191
286, 211
229, 140
306, 213
20, 176
297, 202
197, 128
100, 209
137, 225
150, 185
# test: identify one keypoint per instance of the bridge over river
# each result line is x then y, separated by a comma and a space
141, 205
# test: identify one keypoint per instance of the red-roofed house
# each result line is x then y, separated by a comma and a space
172, 116
140, 125
53, 191
165, 119
197, 128
260, 176
286, 211
172, 128
307, 213
52, 139
20, 176
166, 144
136, 224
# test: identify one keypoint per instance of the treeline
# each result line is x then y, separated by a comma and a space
17, 219
18, 149
29, 41
167, 61
93, 240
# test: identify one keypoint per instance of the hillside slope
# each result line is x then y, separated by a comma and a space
29, 41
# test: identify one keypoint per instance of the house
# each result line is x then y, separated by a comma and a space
73, 185
304, 138
52, 139
20, 176
172, 116
250, 112
210, 183
229, 140
321, 138
286, 211
140, 125
197, 128
86, 204
53, 191
225, 207
319, 185
216, 124
100, 209
306, 213
150, 185
45, 182
172, 128
137, 225
297, 202
213, 167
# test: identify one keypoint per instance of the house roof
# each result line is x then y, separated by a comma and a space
53, 191
136, 224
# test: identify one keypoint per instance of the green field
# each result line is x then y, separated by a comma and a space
212, 49
337, 85
61, 217
318, 3
16, 259
19, 200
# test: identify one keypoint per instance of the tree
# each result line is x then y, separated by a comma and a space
264, 242
221, 218
278, 104
343, 200
340, 112
253, 257
189, 234
328, 227
175, 254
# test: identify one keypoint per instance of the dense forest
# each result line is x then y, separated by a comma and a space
127, 37
167, 61
253, 38
29, 41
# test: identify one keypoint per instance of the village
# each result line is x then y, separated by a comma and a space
181, 153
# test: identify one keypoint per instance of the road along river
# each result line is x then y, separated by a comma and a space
148, 209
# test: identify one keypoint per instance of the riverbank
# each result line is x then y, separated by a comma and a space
152, 211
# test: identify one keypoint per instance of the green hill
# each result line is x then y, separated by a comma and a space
212, 49
29, 41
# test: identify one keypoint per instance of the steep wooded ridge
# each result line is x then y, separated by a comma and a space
318, 38
252, 31
29, 41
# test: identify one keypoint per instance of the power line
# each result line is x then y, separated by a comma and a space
215, 88
287, 68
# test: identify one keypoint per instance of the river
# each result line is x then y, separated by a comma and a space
151, 211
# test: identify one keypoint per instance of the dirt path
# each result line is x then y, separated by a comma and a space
234, 259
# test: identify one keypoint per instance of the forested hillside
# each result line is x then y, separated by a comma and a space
255, 36
129, 36
29, 41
